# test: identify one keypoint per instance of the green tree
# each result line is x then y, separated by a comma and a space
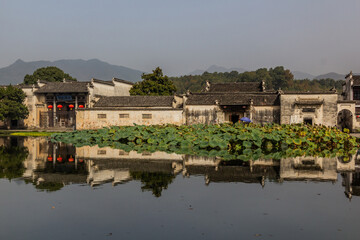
12, 161
155, 84
153, 181
50, 74
281, 78
11, 104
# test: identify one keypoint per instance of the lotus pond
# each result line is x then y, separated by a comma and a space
228, 141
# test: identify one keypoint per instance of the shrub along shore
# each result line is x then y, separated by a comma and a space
228, 141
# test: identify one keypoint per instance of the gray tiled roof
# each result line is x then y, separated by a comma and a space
310, 92
123, 81
135, 101
236, 87
64, 87
259, 99
103, 82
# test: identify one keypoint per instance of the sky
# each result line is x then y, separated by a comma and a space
313, 36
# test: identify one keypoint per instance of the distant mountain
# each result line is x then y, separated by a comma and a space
215, 68
83, 70
332, 75
302, 75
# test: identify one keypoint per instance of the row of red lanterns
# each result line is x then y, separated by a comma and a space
60, 159
71, 106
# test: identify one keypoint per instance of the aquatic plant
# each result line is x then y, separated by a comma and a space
228, 141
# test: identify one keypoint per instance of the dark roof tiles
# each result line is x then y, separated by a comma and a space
236, 87
135, 101
103, 82
64, 87
234, 99
123, 81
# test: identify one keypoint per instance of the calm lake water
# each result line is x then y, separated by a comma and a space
57, 191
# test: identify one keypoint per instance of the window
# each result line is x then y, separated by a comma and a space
125, 115
146, 153
101, 152
357, 110
308, 110
356, 95
122, 153
147, 116
101, 115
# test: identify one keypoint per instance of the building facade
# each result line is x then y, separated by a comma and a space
97, 103
54, 104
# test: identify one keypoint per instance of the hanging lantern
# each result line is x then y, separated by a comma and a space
50, 107
60, 106
71, 106
357, 116
81, 106
50, 158
71, 159
81, 160
59, 159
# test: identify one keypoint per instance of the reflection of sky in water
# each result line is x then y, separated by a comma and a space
159, 195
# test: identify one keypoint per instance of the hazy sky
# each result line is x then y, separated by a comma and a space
314, 36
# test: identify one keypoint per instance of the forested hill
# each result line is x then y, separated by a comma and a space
275, 78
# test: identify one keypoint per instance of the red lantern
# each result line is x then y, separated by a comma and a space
81, 160
59, 159
357, 116
71, 106
59, 106
71, 159
50, 158
81, 106
50, 107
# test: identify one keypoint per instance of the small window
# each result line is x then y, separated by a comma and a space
101, 115
308, 110
101, 152
123, 153
147, 116
356, 93
125, 115
146, 153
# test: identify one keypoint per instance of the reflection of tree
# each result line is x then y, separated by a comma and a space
49, 186
12, 161
154, 182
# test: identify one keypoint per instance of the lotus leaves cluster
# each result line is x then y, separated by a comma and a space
228, 141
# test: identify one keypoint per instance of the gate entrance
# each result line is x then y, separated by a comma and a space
345, 120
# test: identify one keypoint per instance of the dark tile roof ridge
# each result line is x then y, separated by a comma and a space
26, 85
53, 87
103, 82
308, 92
69, 80
346, 101
235, 93
122, 81
135, 101
235, 83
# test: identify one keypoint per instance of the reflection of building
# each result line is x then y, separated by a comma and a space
52, 165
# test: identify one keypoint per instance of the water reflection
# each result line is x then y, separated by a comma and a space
51, 166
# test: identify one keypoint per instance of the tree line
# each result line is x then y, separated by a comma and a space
275, 78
